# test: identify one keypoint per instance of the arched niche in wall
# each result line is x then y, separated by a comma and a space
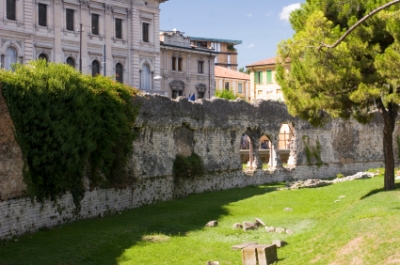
201, 90
177, 88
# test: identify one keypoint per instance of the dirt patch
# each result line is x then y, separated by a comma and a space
352, 248
156, 238
395, 259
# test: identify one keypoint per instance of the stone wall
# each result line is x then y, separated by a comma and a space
213, 130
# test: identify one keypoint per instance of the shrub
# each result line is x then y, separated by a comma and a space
188, 166
66, 122
339, 176
225, 94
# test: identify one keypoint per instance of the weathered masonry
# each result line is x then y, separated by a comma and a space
212, 129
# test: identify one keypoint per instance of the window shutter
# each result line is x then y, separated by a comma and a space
269, 76
260, 77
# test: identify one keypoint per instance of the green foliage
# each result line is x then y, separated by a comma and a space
225, 94
339, 176
244, 70
188, 166
67, 123
354, 79
313, 153
398, 146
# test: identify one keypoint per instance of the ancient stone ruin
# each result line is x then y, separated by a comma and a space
241, 144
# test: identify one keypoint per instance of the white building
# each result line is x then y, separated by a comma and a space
120, 38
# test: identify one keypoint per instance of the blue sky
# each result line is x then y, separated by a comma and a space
259, 24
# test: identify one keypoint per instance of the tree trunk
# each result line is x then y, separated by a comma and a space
388, 155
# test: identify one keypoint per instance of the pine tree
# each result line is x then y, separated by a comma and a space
353, 78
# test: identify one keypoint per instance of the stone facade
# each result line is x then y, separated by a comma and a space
185, 69
119, 38
213, 130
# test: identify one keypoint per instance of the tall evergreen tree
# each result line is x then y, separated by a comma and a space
357, 75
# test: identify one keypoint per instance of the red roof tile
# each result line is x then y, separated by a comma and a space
228, 73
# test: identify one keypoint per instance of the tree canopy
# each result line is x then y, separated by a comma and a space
356, 76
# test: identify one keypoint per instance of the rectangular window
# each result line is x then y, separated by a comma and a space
258, 77
200, 66
42, 15
118, 28
269, 76
260, 92
145, 32
200, 94
95, 24
240, 88
174, 63
226, 85
11, 9
179, 64
278, 91
70, 19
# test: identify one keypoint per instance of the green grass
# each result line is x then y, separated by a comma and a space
362, 228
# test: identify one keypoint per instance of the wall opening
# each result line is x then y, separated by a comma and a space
286, 145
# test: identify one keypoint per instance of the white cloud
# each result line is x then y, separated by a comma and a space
269, 13
249, 15
250, 46
284, 15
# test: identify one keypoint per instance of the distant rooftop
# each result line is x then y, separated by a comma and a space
234, 42
269, 61
228, 73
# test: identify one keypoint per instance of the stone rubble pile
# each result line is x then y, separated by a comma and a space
314, 183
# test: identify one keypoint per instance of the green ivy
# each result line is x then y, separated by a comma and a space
312, 153
67, 123
188, 166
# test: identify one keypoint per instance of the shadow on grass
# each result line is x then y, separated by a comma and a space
104, 240
375, 191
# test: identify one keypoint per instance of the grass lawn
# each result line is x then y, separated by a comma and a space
362, 228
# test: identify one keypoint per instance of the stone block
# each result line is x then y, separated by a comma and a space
249, 256
267, 254
259, 254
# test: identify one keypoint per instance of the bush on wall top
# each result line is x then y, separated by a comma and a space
65, 122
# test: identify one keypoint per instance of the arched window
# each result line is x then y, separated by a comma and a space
95, 68
71, 62
119, 71
10, 58
146, 77
43, 56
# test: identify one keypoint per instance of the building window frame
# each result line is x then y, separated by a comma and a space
42, 15
69, 19
95, 68
10, 59
173, 63
11, 9
95, 24
258, 77
118, 28
180, 64
226, 86
145, 31
269, 76
240, 88
70, 61
200, 67
119, 73
43, 56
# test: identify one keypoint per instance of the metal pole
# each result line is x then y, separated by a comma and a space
80, 47
209, 76
105, 61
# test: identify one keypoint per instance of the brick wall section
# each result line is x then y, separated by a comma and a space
216, 127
